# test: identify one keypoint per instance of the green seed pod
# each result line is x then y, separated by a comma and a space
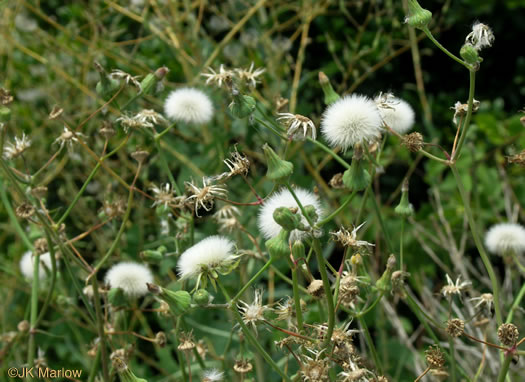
417, 16
404, 208
330, 96
311, 212
179, 301
242, 106
384, 284
298, 250
151, 256
356, 177
278, 246
5, 114
278, 169
286, 219
469, 54
201, 297
117, 298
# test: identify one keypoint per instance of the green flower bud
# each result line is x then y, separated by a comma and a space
201, 297
106, 87
311, 212
383, 284
278, 169
179, 301
298, 250
404, 208
149, 83
162, 249
330, 96
117, 298
124, 372
242, 106
278, 246
5, 114
470, 54
417, 16
151, 256
356, 177
286, 218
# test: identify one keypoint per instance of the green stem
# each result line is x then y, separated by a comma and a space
327, 290
452, 359
252, 280
370, 343
250, 337
372, 306
53, 278
116, 242
94, 367
163, 132
100, 329
515, 304
401, 244
165, 167
377, 210
338, 210
436, 42
504, 368
12, 216
296, 297
34, 312
329, 151
479, 244
466, 123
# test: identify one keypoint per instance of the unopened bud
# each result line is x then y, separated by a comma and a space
278, 169
417, 16
330, 96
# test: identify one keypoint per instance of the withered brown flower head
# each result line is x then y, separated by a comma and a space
25, 210
508, 334
455, 327
435, 357
413, 141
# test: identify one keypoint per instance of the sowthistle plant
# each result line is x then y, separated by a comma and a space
172, 277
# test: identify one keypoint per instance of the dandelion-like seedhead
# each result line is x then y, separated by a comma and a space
207, 257
299, 126
27, 265
212, 375
351, 120
130, 277
453, 288
283, 198
480, 37
13, 150
188, 105
505, 238
395, 112
254, 312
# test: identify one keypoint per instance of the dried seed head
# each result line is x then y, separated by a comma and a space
160, 339
280, 103
140, 155
25, 210
242, 367
440, 374
39, 192
413, 142
455, 327
508, 334
435, 357
41, 246
107, 130
315, 370
316, 288
23, 326
55, 112
520, 157
5, 96
13, 150
337, 181
186, 341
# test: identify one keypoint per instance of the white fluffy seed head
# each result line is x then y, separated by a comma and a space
188, 105
27, 265
283, 198
350, 120
505, 237
397, 114
209, 253
130, 277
